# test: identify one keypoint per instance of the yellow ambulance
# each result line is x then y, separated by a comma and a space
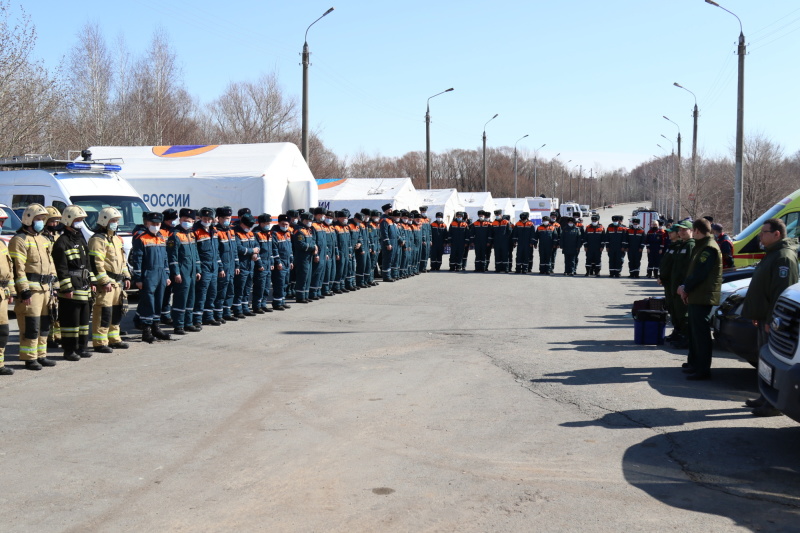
746, 249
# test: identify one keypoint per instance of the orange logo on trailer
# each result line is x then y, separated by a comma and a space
183, 150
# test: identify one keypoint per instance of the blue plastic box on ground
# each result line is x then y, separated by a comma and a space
649, 332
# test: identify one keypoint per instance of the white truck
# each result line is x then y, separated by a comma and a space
266, 177
41, 179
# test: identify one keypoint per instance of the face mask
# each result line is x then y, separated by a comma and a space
480, 219
186, 225
438, 219
78, 225
205, 224
546, 222
458, 219
328, 221
570, 224
498, 218
594, 223
113, 226
226, 223
265, 227
153, 229
636, 226
375, 219
294, 220
283, 228
307, 223
38, 225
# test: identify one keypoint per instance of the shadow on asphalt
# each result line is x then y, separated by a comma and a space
728, 384
661, 417
749, 475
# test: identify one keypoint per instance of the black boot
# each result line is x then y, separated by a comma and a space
147, 333
160, 335
70, 355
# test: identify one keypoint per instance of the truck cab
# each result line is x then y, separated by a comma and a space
779, 360
89, 184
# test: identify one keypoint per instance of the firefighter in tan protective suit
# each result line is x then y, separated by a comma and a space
112, 278
6, 275
34, 277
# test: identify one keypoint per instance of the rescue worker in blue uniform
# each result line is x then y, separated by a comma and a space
368, 230
425, 227
342, 229
458, 239
283, 262
570, 241
656, 243
247, 250
556, 225
304, 249
635, 247
331, 250
616, 239
262, 270
375, 244
481, 239
362, 253
545, 239
321, 260
168, 225
230, 265
438, 238
355, 244
150, 274
294, 222
523, 241
389, 247
501, 230
205, 293
184, 266
594, 239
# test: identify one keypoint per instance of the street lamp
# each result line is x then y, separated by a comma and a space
694, 137
535, 156
680, 161
304, 142
672, 175
739, 179
485, 183
428, 136
551, 174
515, 164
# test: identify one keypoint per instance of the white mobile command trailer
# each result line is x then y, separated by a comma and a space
266, 177
92, 185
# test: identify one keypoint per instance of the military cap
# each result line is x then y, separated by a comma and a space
329, 213
365, 211
264, 217
358, 216
498, 212
439, 214
242, 211
386, 207
306, 216
415, 214
346, 212
423, 209
301, 211
319, 210
283, 218
153, 216
617, 218
224, 211
205, 212
291, 213
247, 219
636, 220
595, 217
672, 229
554, 214
524, 214
340, 214
186, 212
169, 214
374, 213
395, 213
716, 227
684, 224
506, 217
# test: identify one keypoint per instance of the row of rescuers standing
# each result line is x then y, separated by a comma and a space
58, 264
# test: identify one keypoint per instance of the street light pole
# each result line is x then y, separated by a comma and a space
680, 164
738, 183
551, 174
562, 177
515, 164
694, 140
672, 174
304, 141
535, 156
485, 181
428, 137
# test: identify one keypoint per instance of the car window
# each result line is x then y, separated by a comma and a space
21, 201
59, 205
792, 227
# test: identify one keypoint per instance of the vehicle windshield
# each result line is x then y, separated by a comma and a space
774, 210
12, 223
130, 207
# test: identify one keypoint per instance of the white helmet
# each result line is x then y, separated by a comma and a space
71, 212
31, 212
106, 214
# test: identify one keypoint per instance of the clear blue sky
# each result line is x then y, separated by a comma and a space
591, 79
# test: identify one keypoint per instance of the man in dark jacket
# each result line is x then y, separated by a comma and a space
776, 272
725, 244
701, 291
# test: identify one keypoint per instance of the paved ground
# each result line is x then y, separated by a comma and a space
447, 402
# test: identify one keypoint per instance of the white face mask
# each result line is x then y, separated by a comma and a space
458, 219
438, 219
153, 229
546, 222
595, 223
570, 224
113, 226
307, 223
328, 220
78, 225
205, 224
375, 219
498, 217
186, 225
283, 228
481, 219
294, 220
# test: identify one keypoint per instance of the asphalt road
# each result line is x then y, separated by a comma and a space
446, 402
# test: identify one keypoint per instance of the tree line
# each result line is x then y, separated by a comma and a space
107, 96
